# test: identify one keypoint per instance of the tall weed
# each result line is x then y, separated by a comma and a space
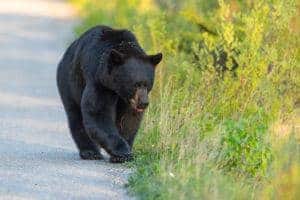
230, 72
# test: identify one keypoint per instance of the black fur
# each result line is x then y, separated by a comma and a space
104, 79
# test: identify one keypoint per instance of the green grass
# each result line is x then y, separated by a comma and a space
210, 133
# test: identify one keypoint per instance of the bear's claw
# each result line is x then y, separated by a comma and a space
90, 155
121, 159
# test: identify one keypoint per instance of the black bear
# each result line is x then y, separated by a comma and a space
104, 79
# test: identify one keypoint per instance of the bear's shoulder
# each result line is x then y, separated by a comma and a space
117, 36
106, 37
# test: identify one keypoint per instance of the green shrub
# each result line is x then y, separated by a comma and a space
230, 71
243, 149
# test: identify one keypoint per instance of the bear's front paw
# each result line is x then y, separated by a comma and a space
121, 153
90, 155
121, 159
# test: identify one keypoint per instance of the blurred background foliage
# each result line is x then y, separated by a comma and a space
224, 116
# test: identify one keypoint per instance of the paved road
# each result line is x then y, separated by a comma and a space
38, 159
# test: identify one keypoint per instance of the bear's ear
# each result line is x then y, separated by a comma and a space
155, 59
116, 57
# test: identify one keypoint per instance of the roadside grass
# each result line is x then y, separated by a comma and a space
214, 130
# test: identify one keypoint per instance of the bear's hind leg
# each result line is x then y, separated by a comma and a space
87, 149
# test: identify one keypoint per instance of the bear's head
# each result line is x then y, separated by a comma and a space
132, 77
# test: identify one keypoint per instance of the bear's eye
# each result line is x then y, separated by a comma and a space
140, 84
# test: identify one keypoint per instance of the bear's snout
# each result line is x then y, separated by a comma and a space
140, 101
143, 105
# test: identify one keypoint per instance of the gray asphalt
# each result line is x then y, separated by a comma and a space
38, 159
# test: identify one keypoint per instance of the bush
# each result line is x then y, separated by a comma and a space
229, 74
243, 149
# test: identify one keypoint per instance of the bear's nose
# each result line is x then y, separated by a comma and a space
143, 105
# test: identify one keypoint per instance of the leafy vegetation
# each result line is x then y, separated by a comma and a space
223, 113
